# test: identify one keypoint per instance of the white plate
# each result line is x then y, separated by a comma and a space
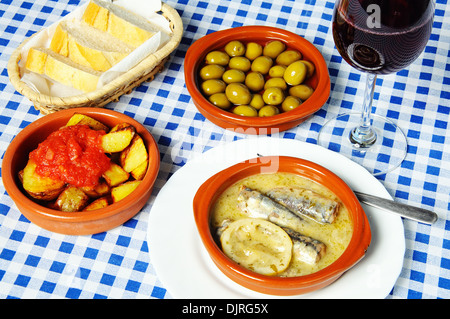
184, 267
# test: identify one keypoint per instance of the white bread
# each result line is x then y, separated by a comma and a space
61, 69
119, 22
81, 50
88, 46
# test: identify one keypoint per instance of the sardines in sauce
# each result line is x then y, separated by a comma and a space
304, 202
314, 243
257, 205
306, 249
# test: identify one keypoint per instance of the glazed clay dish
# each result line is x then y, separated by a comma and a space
211, 191
82, 222
320, 81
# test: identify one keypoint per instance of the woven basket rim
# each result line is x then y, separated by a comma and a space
146, 65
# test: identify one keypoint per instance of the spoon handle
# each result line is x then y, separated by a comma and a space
407, 211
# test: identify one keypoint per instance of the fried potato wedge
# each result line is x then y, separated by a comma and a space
118, 138
115, 175
97, 204
123, 190
72, 199
39, 187
98, 190
134, 155
81, 119
139, 172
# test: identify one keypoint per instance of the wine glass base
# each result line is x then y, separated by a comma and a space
384, 155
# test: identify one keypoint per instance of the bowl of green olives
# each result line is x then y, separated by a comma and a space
256, 79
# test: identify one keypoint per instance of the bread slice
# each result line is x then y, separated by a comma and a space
61, 69
119, 22
88, 46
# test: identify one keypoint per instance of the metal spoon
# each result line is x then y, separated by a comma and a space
407, 211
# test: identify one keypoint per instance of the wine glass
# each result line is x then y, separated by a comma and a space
375, 37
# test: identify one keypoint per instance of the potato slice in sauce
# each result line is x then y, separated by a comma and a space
257, 245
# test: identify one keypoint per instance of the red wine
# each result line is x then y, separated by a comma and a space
382, 36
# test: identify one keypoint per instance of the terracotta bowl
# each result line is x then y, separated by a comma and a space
208, 193
254, 125
78, 223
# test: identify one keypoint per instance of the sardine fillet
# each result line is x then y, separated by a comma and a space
257, 205
306, 249
303, 202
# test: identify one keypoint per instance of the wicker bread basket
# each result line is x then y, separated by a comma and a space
144, 71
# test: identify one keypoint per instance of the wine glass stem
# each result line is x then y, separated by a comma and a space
364, 136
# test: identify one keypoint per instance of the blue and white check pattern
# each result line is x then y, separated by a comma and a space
35, 263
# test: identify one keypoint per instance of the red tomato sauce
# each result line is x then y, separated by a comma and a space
72, 154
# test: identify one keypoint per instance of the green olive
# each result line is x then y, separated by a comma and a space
254, 81
275, 82
302, 91
213, 86
220, 100
233, 76
238, 93
257, 101
277, 71
268, 110
273, 48
253, 51
262, 64
240, 63
290, 103
212, 71
235, 48
288, 56
273, 96
217, 57
245, 110
295, 73
310, 67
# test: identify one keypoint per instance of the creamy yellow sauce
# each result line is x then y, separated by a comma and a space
335, 236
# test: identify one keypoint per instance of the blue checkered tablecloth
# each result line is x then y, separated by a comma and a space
36, 263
